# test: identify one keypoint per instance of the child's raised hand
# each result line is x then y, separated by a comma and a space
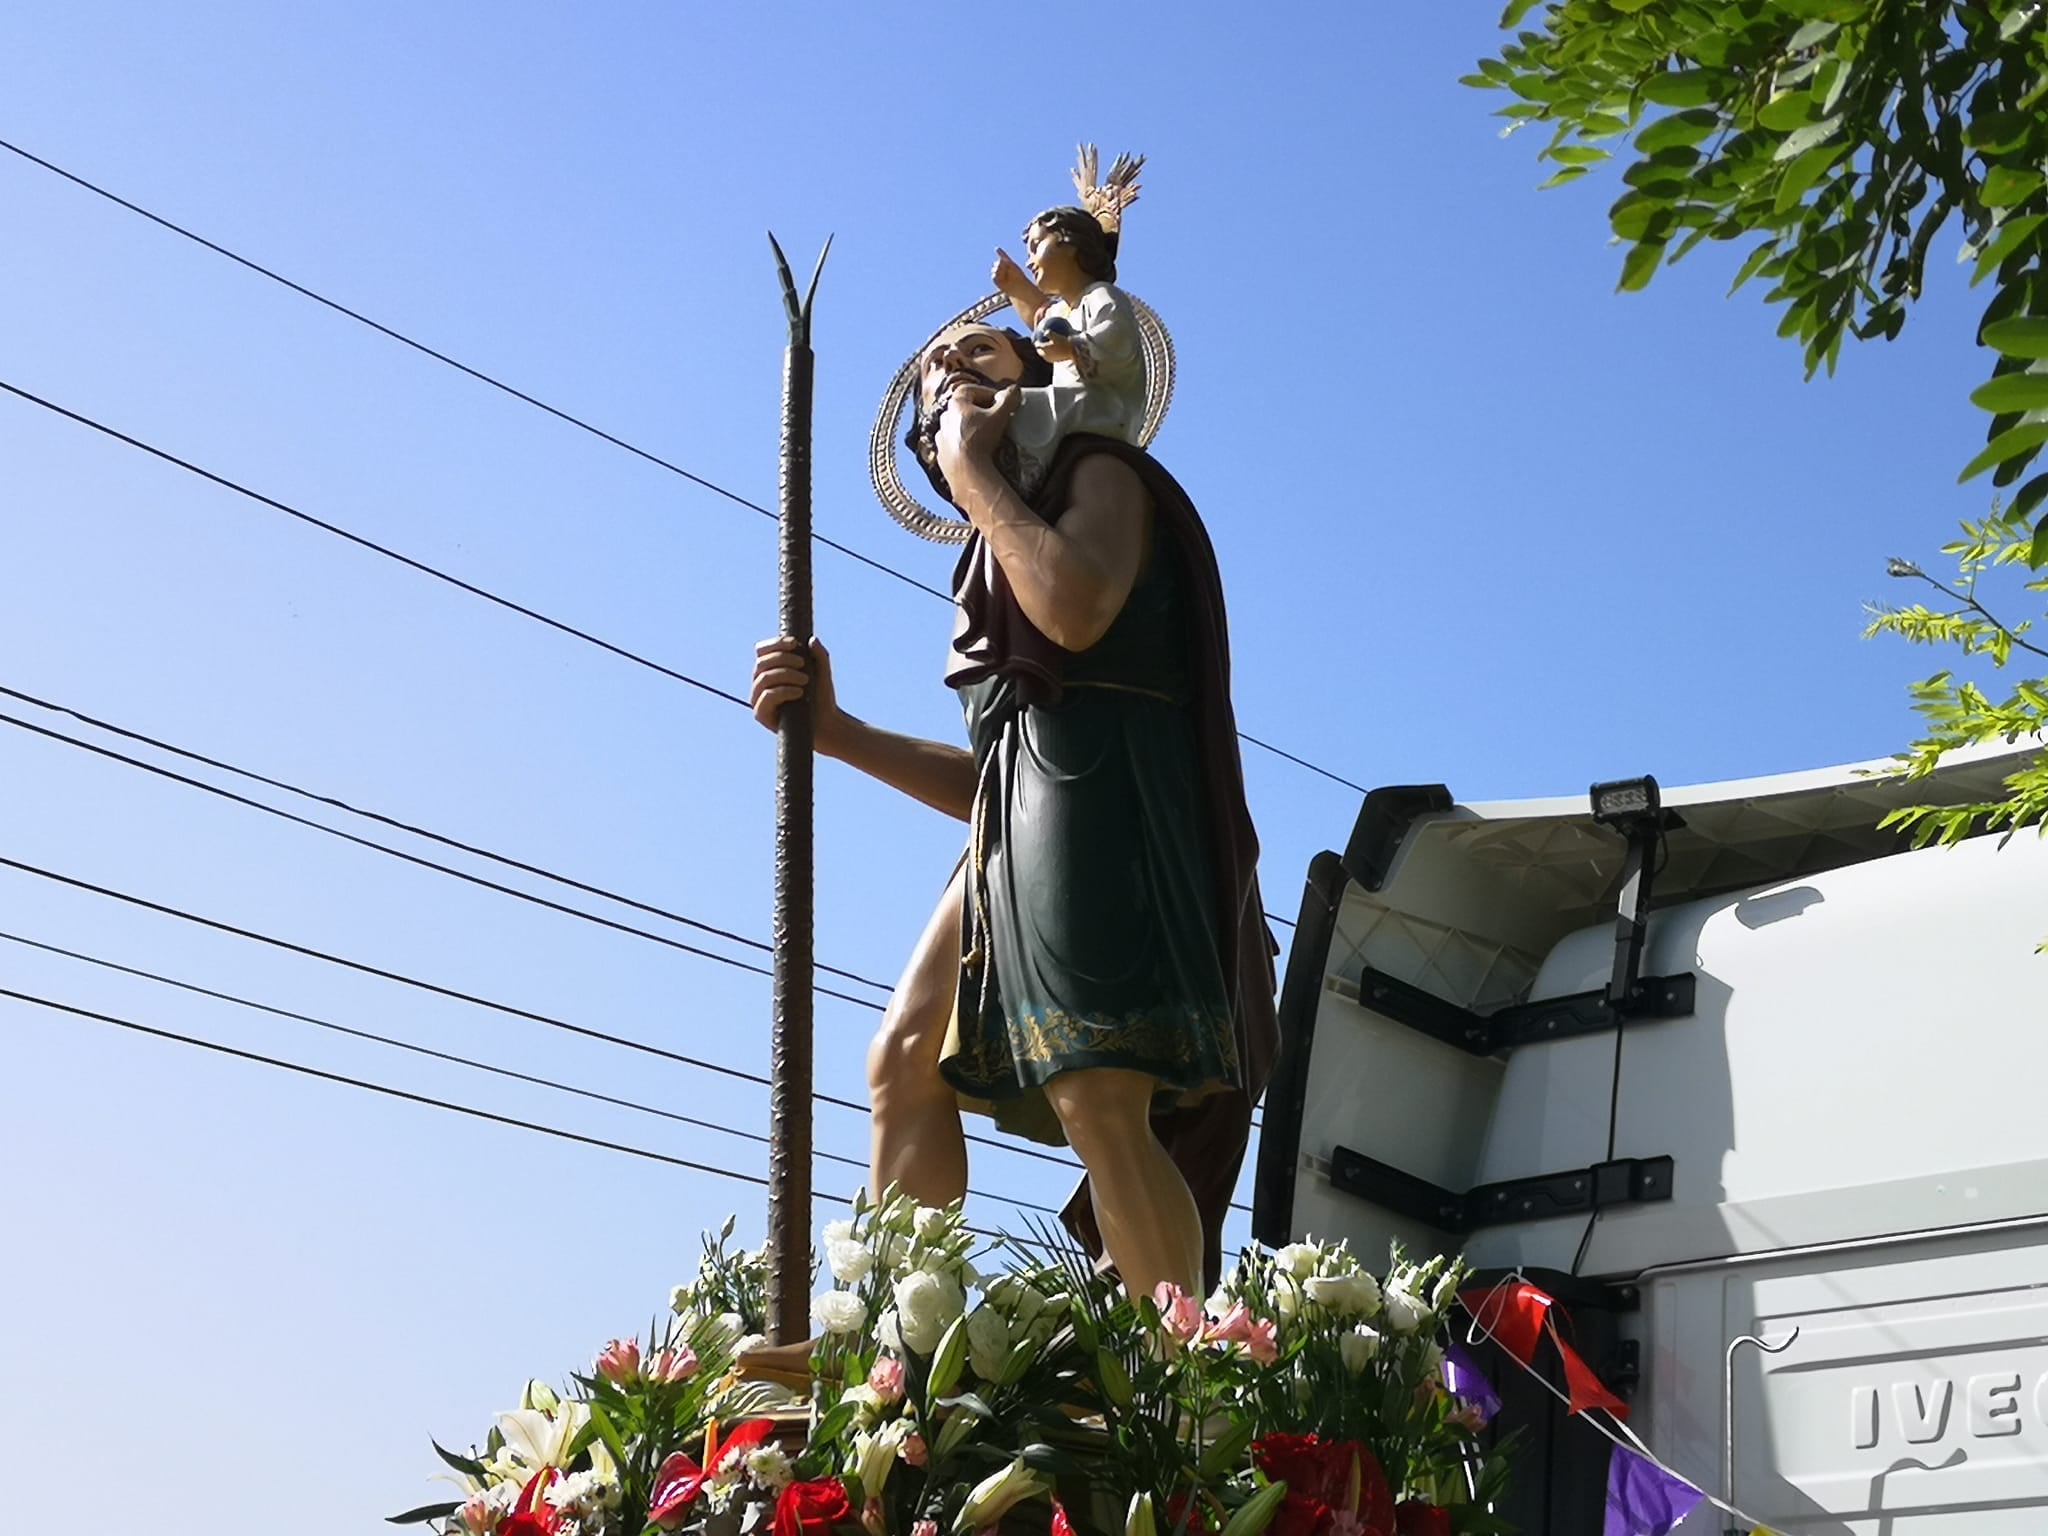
1008, 276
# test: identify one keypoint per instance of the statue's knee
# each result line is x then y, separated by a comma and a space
900, 1059
1103, 1113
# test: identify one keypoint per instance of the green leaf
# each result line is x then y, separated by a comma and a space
1040, 1457
1754, 260
2021, 336
468, 1466
2016, 22
1634, 212
1813, 32
830, 1427
2037, 555
1802, 173
1224, 1453
1561, 178
1256, 1513
2012, 234
1515, 11
969, 1403
2027, 498
1786, 111
2008, 184
1800, 140
1578, 154
1640, 265
423, 1514
2012, 392
2009, 444
1676, 129
1682, 87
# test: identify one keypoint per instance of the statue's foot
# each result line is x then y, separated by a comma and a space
787, 1365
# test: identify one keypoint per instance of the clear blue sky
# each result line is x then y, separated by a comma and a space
1481, 521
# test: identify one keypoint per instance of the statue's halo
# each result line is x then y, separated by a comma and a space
949, 527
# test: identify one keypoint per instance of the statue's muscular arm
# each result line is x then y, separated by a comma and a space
1072, 577
939, 775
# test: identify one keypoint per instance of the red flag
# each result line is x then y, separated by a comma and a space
1513, 1312
1587, 1390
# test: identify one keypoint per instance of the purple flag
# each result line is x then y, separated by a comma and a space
1468, 1383
1642, 1498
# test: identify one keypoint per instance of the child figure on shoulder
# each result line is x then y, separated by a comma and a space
1079, 320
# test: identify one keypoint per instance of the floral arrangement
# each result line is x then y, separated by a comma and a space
1305, 1398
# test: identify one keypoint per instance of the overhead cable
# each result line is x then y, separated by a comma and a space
578, 422
448, 869
415, 1048
456, 995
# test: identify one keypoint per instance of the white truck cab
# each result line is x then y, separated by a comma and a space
1718, 1064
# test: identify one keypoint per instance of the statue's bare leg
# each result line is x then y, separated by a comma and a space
1149, 1221
918, 1145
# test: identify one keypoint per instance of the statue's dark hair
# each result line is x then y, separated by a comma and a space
1094, 246
922, 438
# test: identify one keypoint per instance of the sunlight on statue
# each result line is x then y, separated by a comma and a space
1098, 971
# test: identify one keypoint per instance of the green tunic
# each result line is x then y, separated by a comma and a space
1090, 928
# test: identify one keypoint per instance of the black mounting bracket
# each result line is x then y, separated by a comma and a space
1624, 1181
1554, 1018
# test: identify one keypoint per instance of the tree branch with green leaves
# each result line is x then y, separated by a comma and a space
1841, 137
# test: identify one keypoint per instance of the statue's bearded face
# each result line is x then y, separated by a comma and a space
967, 354
976, 356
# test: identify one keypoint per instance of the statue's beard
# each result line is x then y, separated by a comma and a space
924, 434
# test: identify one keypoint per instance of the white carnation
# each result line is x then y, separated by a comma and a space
770, 1467
988, 1342
582, 1493
849, 1261
1286, 1299
839, 1312
931, 1223
1352, 1295
1297, 1259
926, 1305
890, 1332
1358, 1347
1405, 1312
838, 1232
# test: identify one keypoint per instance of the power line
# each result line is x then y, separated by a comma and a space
428, 833
446, 869
374, 547
575, 421
461, 367
512, 1010
414, 1048
396, 1093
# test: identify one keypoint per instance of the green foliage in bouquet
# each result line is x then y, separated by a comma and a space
1305, 1399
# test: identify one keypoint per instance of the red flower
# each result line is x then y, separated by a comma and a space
1412, 1517
1061, 1526
533, 1515
811, 1509
1299, 1516
1313, 1468
680, 1480
1319, 1473
1177, 1507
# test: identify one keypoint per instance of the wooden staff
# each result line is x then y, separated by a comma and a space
789, 1124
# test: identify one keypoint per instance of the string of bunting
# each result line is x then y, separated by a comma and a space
1645, 1496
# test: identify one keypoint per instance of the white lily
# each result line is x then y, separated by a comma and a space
540, 1439
995, 1494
